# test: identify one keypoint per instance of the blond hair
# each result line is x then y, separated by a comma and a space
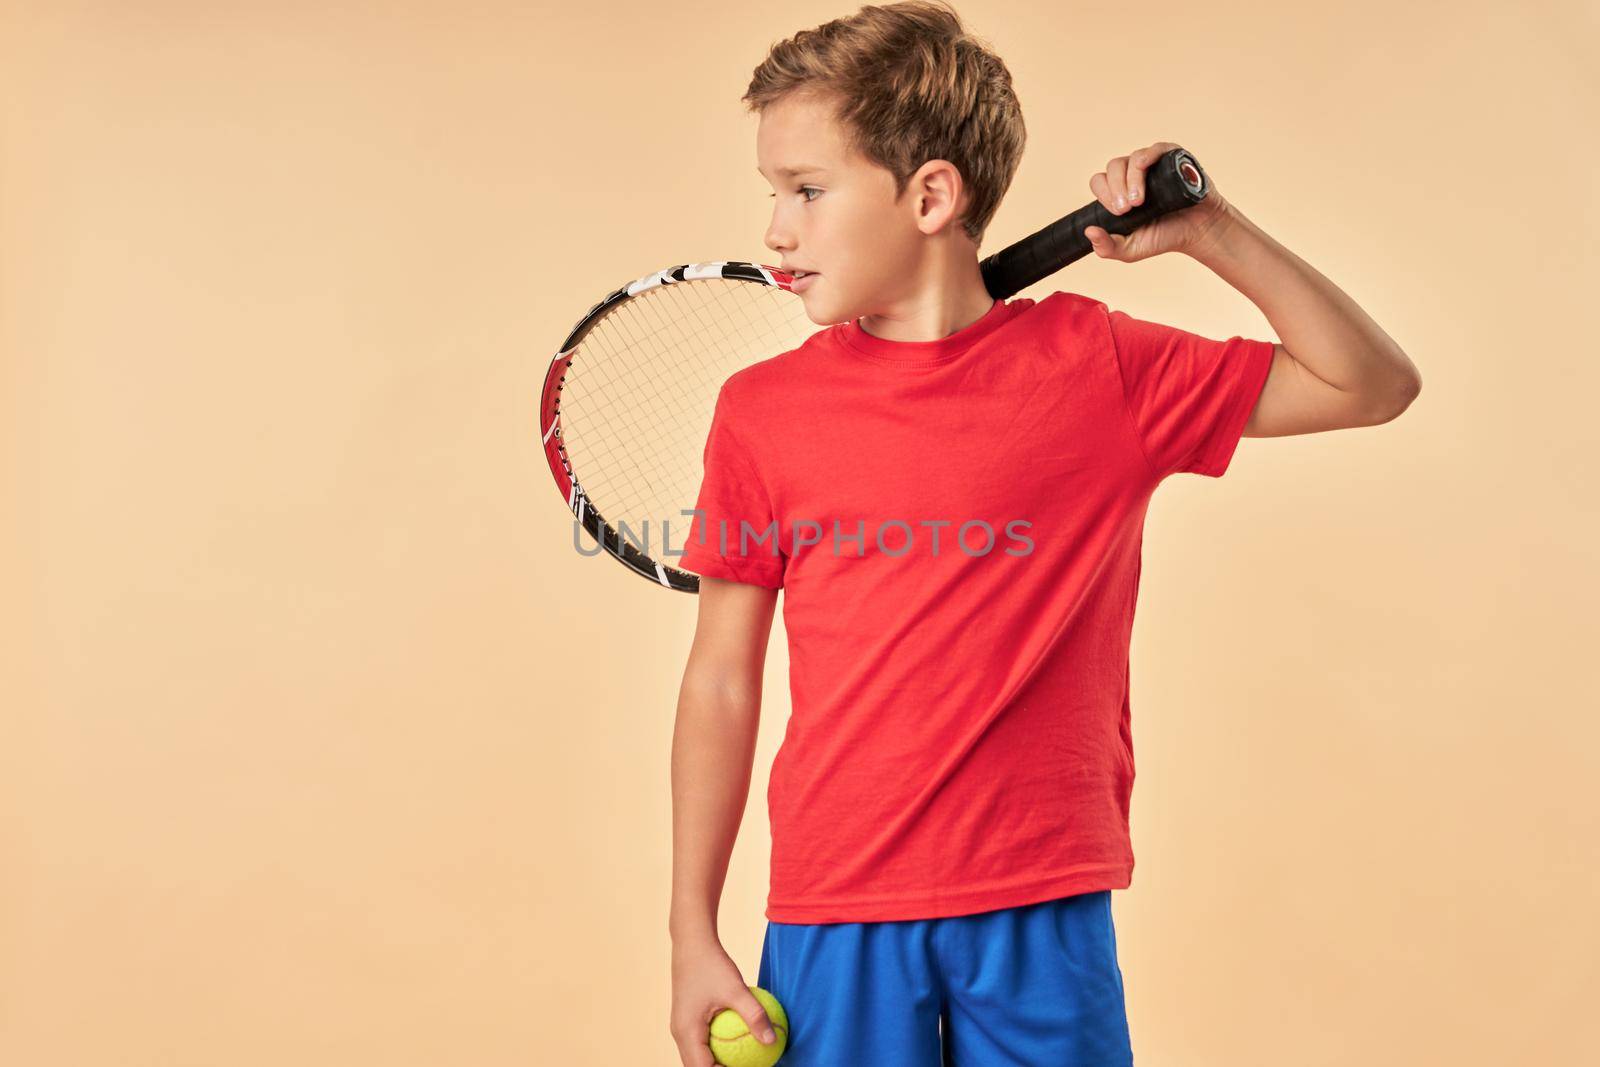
910, 84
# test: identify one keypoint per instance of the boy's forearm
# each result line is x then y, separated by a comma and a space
1325, 330
713, 749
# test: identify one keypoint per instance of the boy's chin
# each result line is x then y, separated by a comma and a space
825, 312
825, 316
817, 311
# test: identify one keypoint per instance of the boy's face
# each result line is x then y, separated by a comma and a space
839, 217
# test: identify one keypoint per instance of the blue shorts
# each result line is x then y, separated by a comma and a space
1032, 986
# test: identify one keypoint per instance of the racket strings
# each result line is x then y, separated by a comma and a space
672, 411
637, 401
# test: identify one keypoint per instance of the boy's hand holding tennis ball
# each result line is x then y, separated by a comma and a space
713, 1009
733, 1044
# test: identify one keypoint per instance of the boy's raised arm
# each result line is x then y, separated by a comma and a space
1334, 366
713, 749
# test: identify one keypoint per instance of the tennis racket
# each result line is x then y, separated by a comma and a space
628, 399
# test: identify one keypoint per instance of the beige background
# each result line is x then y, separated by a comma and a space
320, 744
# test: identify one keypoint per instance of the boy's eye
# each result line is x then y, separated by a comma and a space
803, 189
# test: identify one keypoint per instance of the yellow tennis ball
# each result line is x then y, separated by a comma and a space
732, 1043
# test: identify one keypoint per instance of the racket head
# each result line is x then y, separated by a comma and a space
629, 395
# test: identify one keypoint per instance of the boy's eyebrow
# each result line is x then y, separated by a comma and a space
790, 172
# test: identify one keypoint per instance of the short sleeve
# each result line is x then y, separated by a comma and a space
1189, 396
733, 534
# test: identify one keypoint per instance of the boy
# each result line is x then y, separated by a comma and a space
957, 486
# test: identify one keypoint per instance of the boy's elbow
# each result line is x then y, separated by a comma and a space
1399, 397
721, 689
1412, 390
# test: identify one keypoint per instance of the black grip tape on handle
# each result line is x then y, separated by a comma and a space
1173, 182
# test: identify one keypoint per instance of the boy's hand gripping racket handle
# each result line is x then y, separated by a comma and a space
1173, 182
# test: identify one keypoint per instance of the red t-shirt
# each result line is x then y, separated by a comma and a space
956, 526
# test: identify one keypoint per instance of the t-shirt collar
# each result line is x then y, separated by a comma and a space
923, 353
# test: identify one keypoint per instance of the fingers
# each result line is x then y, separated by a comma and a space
755, 1017
693, 1051
1108, 187
1111, 186
1121, 186
1117, 185
693, 1035
1105, 245
1102, 191
1119, 189
1140, 161
1135, 177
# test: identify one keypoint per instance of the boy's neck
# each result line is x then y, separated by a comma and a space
934, 309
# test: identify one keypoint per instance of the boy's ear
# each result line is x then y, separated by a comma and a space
939, 195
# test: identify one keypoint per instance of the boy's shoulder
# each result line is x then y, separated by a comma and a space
1077, 307
1060, 313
